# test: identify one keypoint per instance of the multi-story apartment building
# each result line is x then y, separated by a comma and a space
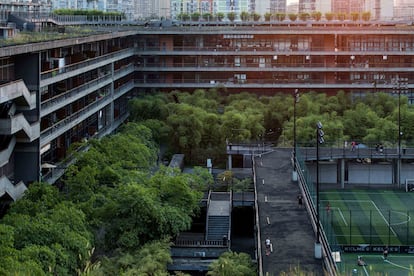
42, 6
404, 9
57, 93
324, 57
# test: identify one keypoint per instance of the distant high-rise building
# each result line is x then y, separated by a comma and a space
307, 6
236, 6
26, 6
323, 6
404, 9
269, 6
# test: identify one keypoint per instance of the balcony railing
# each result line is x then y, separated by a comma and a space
272, 49
280, 66
75, 66
54, 103
124, 88
60, 127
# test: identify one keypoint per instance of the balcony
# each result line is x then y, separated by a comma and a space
59, 74
71, 121
72, 95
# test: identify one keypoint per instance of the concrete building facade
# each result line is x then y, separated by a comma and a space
58, 93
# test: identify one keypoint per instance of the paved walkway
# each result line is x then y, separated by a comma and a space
281, 219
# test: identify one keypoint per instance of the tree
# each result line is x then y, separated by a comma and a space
280, 16
150, 259
232, 264
316, 15
186, 123
292, 16
358, 121
220, 16
255, 16
195, 16
147, 107
341, 16
183, 16
207, 16
41, 197
267, 16
329, 16
304, 16
231, 16
366, 16
52, 239
355, 16
244, 16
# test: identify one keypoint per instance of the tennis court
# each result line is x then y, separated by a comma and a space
368, 217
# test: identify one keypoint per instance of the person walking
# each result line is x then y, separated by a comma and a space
300, 200
385, 253
353, 144
267, 243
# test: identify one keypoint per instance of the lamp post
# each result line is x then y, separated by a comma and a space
400, 85
295, 100
319, 140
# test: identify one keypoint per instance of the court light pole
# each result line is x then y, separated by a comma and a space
295, 100
400, 86
319, 140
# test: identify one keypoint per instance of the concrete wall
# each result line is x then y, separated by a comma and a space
358, 173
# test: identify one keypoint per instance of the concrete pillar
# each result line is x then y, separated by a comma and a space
230, 163
398, 179
342, 173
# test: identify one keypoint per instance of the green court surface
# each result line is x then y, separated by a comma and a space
362, 222
368, 217
395, 265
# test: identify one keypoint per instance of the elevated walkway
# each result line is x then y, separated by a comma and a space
287, 225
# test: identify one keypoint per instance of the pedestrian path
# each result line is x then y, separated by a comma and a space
281, 219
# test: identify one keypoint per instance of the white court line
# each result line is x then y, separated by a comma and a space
373, 203
386, 221
362, 235
366, 193
391, 263
341, 214
397, 265
402, 222
365, 270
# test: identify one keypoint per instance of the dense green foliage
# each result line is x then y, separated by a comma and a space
198, 124
117, 208
88, 13
114, 203
232, 264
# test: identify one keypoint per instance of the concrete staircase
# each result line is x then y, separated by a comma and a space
218, 227
218, 217
14, 191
